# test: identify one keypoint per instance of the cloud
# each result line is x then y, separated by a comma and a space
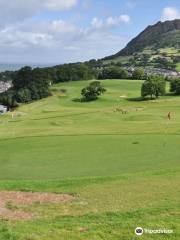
110, 21
29, 34
97, 23
57, 41
62, 26
15, 38
115, 21
170, 13
19, 10
91, 45
59, 5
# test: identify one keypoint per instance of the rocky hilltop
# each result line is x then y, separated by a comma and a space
161, 35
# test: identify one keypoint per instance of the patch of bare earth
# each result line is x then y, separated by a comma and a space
11, 201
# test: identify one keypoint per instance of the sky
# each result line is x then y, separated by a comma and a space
59, 31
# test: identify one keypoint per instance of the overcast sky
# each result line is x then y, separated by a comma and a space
58, 31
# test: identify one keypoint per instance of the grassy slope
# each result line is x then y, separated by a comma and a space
122, 168
170, 52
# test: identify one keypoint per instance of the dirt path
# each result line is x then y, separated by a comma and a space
11, 201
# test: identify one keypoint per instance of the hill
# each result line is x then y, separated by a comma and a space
161, 40
161, 35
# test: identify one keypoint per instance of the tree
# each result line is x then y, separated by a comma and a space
113, 72
93, 91
23, 95
154, 86
175, 86
22, 78
176, 59
138, 73
31, 84
75, 72
144, 59
28, 85
164, 63
7, 98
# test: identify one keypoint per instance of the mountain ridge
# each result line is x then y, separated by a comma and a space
159, 35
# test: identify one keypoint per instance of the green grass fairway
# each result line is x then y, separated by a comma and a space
178, 67
123, 169
59, 157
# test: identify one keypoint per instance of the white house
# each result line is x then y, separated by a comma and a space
4, 86
3, 109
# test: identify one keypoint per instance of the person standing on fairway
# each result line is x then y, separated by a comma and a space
169, 115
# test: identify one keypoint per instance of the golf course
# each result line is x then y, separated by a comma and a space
116, 160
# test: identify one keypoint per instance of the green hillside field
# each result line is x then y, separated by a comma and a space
122, 169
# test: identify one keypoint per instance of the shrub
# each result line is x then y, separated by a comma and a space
93, 91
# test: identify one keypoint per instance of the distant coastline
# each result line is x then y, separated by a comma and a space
17, 66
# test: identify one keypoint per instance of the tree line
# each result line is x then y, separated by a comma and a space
34, 84
93, 69
28, 85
